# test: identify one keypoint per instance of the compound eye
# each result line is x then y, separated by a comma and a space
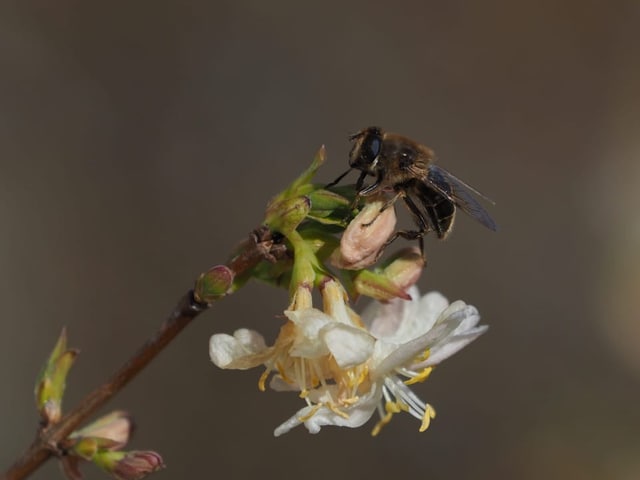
371, 148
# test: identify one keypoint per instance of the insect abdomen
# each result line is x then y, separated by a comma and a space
439, 209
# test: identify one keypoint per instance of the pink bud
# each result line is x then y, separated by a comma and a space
111, 431
132, 465
365, 236
213, 284
138, 464
405, 267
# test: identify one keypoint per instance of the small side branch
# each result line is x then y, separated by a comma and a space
262, 244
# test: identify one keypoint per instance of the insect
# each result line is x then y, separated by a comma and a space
405, 168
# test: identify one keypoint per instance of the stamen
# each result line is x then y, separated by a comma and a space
263, 380
350, 401
394, 407
334, 408
383, 421
282, 374
423, 357
420, 377
429, 414
415, 406
313, 411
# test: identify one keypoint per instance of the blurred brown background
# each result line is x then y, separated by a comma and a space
139, 141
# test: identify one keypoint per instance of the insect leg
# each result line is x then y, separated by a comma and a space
420, 219
335, 182
386, 205
368, 190
363, 192
360, 181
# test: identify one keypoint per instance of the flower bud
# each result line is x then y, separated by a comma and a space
328, 207
285, 215
378, 286
85, 448
213, 284
51, 383
110, 432
365, 236
405, 267
395, 277
132, 465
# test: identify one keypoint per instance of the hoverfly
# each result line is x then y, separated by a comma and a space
406, 169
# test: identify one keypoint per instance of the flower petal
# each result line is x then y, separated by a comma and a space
400, 321
384, 319
406, 352
353, 416
430, 307
349, 345
308, 323
450, 346
241, 351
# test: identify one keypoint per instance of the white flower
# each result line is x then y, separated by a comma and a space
314, 351
346, 368
410, 338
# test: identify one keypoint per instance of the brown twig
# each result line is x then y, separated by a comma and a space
261, 245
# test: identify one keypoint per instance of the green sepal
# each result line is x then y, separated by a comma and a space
321, 240
378, 286
306, 176
107, 459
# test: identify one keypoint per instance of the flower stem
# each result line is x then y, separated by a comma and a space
260, 245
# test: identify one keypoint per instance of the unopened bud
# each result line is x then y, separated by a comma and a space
366, 235
285, 215
378, 286
405, 267
213, 284
395, 277
51, 383
85, 448
328, 207
132, 465
110, 432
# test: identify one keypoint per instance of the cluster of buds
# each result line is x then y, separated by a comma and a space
310, 217
100, 442
344, 365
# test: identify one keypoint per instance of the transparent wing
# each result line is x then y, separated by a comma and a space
459, 193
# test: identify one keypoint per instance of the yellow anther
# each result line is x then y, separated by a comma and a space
350, 401
429, 414
263, 380
337, 411
422, 357
383, 421
304, 393
355, 376
364, 373
393, 407
421, 377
